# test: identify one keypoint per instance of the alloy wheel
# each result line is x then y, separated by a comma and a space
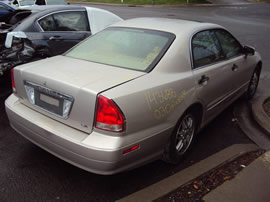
185, 134
253, 83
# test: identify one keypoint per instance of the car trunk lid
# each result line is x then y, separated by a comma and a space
60, 79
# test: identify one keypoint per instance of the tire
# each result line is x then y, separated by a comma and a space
181, 139
253, 84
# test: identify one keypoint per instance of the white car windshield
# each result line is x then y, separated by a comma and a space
137, 49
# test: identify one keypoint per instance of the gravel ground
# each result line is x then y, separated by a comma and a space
266, 106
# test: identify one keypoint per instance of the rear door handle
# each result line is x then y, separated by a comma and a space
234, 67
203, 80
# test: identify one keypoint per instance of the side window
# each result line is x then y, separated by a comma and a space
40, 2
205, 49
47, 24
65, 21
71, 21
229, 44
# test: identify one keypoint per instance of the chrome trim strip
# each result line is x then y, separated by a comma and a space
226, 97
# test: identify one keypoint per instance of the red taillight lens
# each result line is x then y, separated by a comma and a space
108, 116
12, 80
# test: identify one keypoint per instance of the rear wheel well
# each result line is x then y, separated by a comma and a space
183, 135
197, 110
253, 82
259, 66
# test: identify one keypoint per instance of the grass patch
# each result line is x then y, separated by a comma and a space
145, 2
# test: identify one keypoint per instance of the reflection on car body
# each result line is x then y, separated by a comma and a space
5, 9
45, 31
134, 92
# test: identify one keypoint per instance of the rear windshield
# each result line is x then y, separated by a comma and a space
136, 49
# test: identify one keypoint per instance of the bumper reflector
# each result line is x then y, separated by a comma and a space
131, 149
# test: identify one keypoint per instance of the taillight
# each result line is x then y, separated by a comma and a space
12, 80
108, 116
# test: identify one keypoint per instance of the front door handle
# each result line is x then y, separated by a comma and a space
234, 67
203, 80
55, 38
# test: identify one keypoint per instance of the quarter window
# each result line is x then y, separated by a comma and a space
65, 21
205, 49
230, 46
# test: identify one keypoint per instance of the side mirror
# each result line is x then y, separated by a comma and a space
248, 50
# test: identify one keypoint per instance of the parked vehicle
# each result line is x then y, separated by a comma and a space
5, 9
23, 3
137, 91
44, 31
9, 2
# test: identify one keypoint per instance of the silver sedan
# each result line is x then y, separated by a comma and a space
137, 91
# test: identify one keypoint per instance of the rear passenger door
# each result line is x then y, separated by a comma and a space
212, 75
63, 30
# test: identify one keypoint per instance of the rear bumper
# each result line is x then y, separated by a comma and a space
79, 148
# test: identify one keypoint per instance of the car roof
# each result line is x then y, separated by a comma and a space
175, 26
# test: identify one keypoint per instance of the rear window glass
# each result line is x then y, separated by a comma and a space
130, 48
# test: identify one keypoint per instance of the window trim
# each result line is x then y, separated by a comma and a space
56, 12
193, 68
